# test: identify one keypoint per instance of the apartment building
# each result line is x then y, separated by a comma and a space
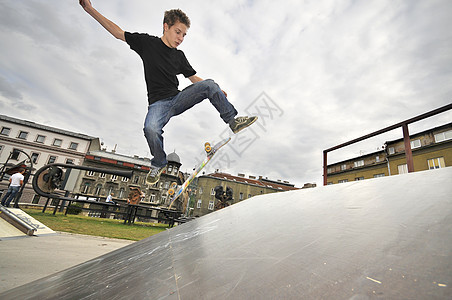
42, 145
431, 149
243, 188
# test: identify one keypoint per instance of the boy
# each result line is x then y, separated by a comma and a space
162, 61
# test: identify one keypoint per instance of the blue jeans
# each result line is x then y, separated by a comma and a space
10, 194
160, 112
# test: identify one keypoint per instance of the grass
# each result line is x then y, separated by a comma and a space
96, 226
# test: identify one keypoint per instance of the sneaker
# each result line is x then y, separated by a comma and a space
154, 175
241, 123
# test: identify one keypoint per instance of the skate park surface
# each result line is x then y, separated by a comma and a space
382, 238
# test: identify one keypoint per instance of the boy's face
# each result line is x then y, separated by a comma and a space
174, 36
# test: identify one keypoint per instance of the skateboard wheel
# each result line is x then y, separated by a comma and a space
171, 192
207, 147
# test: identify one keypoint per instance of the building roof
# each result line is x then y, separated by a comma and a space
47, 128
260, 182
173, 157
114, 158
438, 128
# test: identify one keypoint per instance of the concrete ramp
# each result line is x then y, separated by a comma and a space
15, 223
388, 238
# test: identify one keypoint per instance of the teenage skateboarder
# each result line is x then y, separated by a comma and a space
162, 61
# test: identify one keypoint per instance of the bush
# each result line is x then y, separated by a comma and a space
74, 209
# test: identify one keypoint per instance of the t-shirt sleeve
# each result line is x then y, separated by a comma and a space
135, 40
187, 69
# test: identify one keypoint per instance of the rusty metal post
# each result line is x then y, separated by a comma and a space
408, 153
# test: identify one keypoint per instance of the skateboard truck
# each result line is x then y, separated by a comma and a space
207, 147
172, 189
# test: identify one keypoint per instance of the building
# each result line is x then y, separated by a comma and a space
431, 149
243, 188
99, 185
42, 145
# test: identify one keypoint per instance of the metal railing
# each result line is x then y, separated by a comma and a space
406, 139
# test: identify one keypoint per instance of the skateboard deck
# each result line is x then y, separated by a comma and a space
210, 152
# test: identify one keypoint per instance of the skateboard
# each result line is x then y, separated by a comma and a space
210, 152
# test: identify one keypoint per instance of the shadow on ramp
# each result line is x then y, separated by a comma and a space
381, 238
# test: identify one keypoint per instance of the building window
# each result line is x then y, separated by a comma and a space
52, 159
5, 131
85, 188
359, 163
40, 139
57, 142
1, 148
403, 169
343, 167
249, 196
415, 144
167, 184
102, 175
359, 178
170, 169
90, 173
114, 177
198, 205
98, 189
15, 155
125, 179
377, 158
439, 137
73, 146
69, 161
200, 190
241, 196
379, 175
34, 157
121, 193
391, 150
23, 135
136, 179
212, 192
436, 163
152, 198
342, 181
211, 205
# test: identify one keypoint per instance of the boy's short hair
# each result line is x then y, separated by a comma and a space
174, 15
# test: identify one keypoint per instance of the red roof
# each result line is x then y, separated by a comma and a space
259, 182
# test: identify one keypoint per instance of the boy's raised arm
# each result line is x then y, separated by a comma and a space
111, 27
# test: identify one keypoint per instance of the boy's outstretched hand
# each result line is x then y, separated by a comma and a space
85, 4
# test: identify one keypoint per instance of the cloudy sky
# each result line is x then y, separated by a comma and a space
318, 73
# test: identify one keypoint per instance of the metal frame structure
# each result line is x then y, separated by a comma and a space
406, 139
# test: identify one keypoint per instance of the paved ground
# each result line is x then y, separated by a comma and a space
25, 259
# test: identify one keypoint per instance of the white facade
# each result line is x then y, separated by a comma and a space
43, 144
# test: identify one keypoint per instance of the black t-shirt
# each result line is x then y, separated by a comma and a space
161, 65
